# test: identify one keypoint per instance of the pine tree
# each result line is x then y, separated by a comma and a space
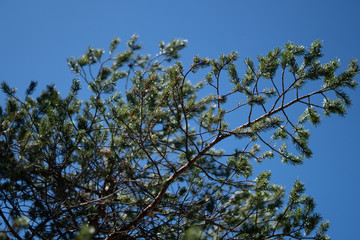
141, 158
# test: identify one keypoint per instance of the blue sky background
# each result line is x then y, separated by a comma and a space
37, 37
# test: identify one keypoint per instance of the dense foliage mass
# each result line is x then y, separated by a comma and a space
141, 158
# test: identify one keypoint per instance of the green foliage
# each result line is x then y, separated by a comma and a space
140, 158
20, 222
85, 233
311, 115
113, 45
193, 233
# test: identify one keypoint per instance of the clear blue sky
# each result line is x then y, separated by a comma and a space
37, 37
